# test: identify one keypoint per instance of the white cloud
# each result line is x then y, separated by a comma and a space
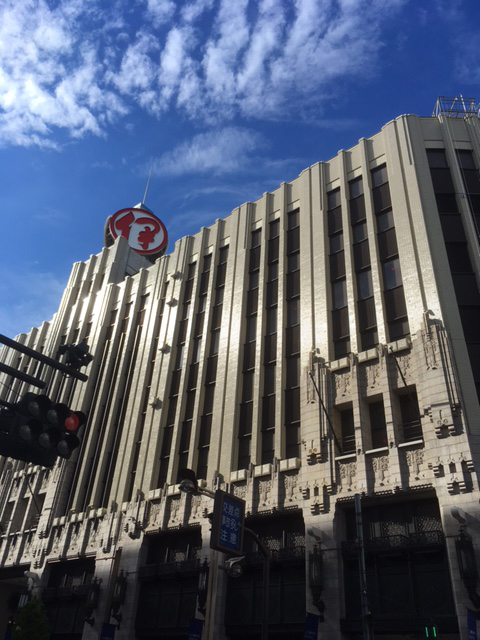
219, 152
78, 65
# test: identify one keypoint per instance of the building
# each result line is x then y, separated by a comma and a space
317, 344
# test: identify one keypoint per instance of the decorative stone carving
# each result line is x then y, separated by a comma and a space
174, 509
290, 482
240, 490
430, 348
264, 491
342, 383
414, 460
380, 467
347, 472
196, 506
373, 375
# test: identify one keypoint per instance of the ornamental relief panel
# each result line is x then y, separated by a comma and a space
347, 473
380, 466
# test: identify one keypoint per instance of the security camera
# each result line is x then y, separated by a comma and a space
459, 515
234, 567
315, 533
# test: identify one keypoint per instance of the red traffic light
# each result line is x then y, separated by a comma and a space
75, 421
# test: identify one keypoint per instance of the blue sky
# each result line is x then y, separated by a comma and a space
225, 99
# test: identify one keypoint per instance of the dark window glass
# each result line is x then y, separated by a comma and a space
274, 228
472, 181
357, 210
293, 372
471, 323
377, 424
340, 323
271, 321
205, 430
211, 370
219, 293
387, 244
333, 199
199, 324
341, 348
452, 227
273, 271
270, 353
355, 188
293, 312
360, 232
221, 271
204, 283
392, 276
293, 262
191, 271
247, 394
337, 265
256, 238
381, 198
217, 317
292, 340
182, 331
187, 294
175, 383
442, 181
252, 302
246, 415
268, 412
251, 328
385, 221
364, 284
272, 293
347, 426
446, 202
254, 259
366, 314
437, 159
192, 376
361, 255
369, 338
293, 219
379, 176
214, 343
292, 405
395, 304
293, 284
336, 243
465, 158
270, 375
208, 400
458, 257
334, 220
249, 356
207, 262
273, 249
466, 289
398, 329
293, 240
189, 406
253, 280
339, 294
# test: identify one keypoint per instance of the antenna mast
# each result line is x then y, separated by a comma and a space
148, 183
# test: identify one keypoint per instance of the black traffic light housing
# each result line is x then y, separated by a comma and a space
37, 430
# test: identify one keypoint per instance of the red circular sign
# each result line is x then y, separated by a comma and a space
143, 231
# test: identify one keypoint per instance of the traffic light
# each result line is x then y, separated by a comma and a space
37, 430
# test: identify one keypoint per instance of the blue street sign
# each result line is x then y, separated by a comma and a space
195, 629
108, 631
227, 524
310, 630
471, 625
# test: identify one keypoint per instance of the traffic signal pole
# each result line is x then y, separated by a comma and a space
13, 344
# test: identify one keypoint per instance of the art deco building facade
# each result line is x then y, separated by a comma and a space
317, 344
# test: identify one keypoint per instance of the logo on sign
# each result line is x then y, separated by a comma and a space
143, 231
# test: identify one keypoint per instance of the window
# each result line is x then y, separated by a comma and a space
392, 276
378, 425
364, 284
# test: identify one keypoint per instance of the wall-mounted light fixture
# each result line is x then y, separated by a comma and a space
315, 578
202, 590
92, 601
118, 598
